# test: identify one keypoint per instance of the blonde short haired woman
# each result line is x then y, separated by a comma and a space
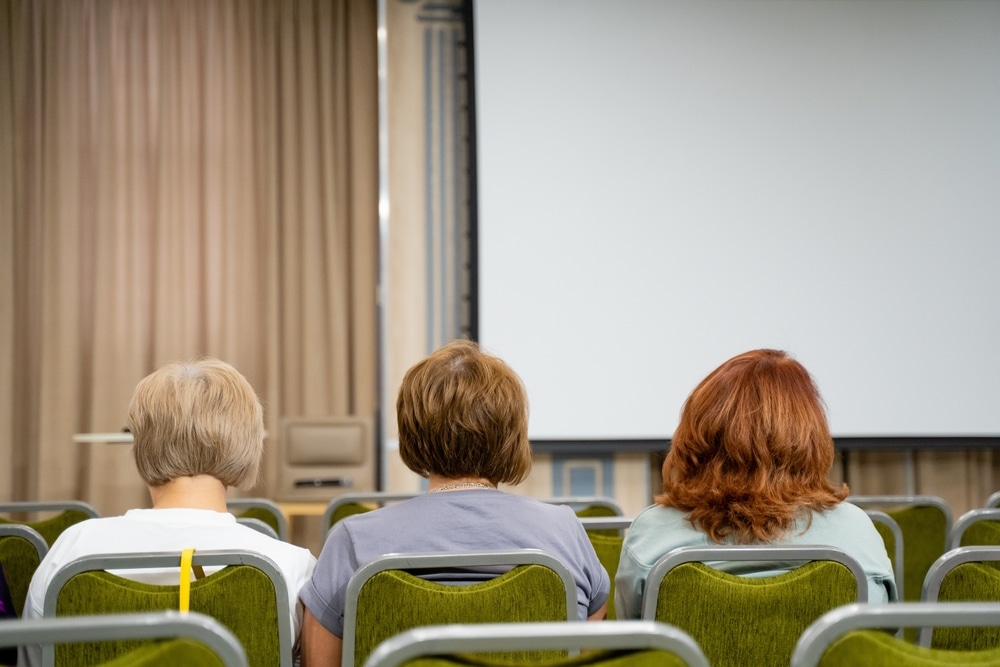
198, 429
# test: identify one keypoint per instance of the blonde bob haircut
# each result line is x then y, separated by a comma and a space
197, 418
464, 413
752, 451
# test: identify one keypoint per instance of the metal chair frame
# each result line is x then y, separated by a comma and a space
941, 567
474, 637
878, 516
262, 503
966, 520
818, 636
105, 627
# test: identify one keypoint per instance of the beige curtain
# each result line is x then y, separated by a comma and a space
180, 178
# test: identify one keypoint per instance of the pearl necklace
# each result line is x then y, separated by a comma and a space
462, 485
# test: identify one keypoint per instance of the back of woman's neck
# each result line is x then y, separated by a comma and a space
197, 492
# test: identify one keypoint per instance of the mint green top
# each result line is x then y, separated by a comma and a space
657, 530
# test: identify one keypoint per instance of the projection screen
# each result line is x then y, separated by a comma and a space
665, 184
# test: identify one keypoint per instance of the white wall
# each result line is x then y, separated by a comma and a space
665, 184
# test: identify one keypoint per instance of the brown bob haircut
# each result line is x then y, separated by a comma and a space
464, 413
752, 451
197, 418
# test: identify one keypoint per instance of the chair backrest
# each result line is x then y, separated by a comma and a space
21, 551
357, 503
205, 631
844, 637
965, 574
250, 598
607, 535
925, 522
614, 525
993, 500
70, 512
384, 597
747, 620
264, 509
258, 525
977, 527
588, 506
631, 641
892, 535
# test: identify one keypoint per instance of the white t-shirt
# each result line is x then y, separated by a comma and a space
144, 530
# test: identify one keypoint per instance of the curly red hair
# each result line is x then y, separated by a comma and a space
752, 451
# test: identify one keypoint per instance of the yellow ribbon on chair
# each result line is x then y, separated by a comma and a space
187, 555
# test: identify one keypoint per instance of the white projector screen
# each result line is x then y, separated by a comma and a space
664, 184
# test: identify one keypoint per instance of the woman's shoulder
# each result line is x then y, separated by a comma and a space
659, 515
847, 512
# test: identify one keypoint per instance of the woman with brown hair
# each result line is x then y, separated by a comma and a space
748, 464
463, 424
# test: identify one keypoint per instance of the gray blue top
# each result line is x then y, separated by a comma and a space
467, 520
657, 530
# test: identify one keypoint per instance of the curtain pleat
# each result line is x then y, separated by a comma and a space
184, 178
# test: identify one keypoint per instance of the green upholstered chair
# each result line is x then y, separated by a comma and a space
607, 534
193, 639
69, 513
349, 504
739, 620
262, 509
248, 595
892, 535
855, 636
385, 597
965, 574
620, 644
21, 551
925, 522
977, 527
588, 506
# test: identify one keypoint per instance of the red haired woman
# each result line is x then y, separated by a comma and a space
748, 464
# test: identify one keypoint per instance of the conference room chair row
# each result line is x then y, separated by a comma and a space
733, 620
613, 526
852, 635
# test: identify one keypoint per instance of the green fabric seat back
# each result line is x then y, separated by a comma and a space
925, 532
348, 509
595, 511
981, 533
638, 658
969, 582
609, 552
392, 601
740, 621
169, 653
875, 648
264, 515
240, 597
53, 527
20, 560
598, 511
